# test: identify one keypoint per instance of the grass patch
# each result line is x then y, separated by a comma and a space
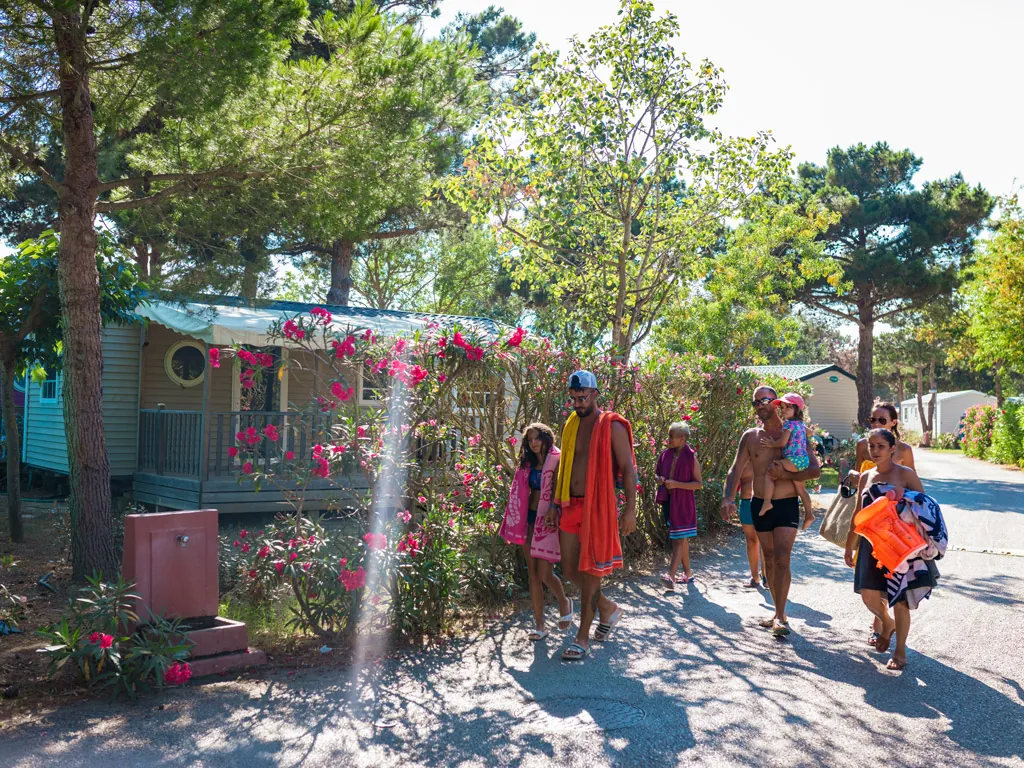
829, 479
945, 450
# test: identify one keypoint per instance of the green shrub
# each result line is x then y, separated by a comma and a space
1008, 436
946, 441
12, 606
979, 423
100, 637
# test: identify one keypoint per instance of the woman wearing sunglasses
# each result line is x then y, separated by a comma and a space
884, 416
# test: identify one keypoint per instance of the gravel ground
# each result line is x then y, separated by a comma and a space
687, 679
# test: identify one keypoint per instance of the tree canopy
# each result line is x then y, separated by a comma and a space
607, 187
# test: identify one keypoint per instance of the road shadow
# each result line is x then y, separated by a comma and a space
977, 495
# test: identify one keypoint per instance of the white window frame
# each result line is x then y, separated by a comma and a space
362, 383
169, 356
56, 389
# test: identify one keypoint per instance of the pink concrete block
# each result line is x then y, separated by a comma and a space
224, 636
217, 664
172, 558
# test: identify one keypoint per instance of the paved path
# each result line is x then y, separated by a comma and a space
688, 680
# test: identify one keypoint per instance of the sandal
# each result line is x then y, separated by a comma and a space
605, 628
575, 652
684, 579
751, 584
884, 641
766, 623
567, 619
780, 629
668, 581
873, 638
537, 634
895, 664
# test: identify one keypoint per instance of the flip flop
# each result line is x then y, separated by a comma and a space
575, 652
782, 630
603, 629
567, 619
667, 581
538, 634
766, 623
683, 579
873, 638
751, 584
895, 664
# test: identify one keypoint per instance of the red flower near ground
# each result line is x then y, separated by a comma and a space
247, 467
106, 641
178, 673
279, 566
94, 638
289, 455
517, 338
264, 551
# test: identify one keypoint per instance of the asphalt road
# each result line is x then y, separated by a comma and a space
687, 679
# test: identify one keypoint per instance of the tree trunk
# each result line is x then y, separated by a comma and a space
7, 371
932, 387
998, 378
619, 341
250, 281
341, 272
865, 366
92, 541
925, 427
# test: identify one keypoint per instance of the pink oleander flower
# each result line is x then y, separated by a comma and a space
322, 468
94, 638
321, 315
405, 515
237, 543
252, 574
214, 357
353, 579
421, 499
360, 431
289, 455
270, 431
232, 451
246, 548
264, 551
341, 392
442, 378
178, 673
375, 540
517, 338
279, 566
106, 641
292, 556
247, 467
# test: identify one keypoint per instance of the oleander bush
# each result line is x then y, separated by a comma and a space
979, 423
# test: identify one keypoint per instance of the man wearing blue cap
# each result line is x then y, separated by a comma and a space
597, 447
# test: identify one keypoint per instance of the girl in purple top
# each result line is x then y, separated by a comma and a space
678, 476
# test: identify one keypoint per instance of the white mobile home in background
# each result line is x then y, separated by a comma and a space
949, 407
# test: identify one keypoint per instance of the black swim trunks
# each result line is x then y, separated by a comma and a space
785, 513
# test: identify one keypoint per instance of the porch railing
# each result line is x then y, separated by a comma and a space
169, 442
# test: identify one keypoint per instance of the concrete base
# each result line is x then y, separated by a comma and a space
214, 665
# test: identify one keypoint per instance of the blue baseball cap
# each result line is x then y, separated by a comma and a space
583, 380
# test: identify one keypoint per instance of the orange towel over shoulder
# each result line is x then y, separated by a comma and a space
600, 549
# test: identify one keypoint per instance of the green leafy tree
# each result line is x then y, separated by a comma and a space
81, 73
607, 187
897, 248
994, 295
31, 333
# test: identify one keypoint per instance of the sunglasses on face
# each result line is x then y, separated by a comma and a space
581, 400
883, 421
763, 401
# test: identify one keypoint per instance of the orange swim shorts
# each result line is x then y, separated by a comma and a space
572, 516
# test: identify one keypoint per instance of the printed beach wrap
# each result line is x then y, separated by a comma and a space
600, 548
514, 526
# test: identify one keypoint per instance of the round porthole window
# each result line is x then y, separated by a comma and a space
185, 363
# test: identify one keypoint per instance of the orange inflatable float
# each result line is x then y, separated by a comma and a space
893, 541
